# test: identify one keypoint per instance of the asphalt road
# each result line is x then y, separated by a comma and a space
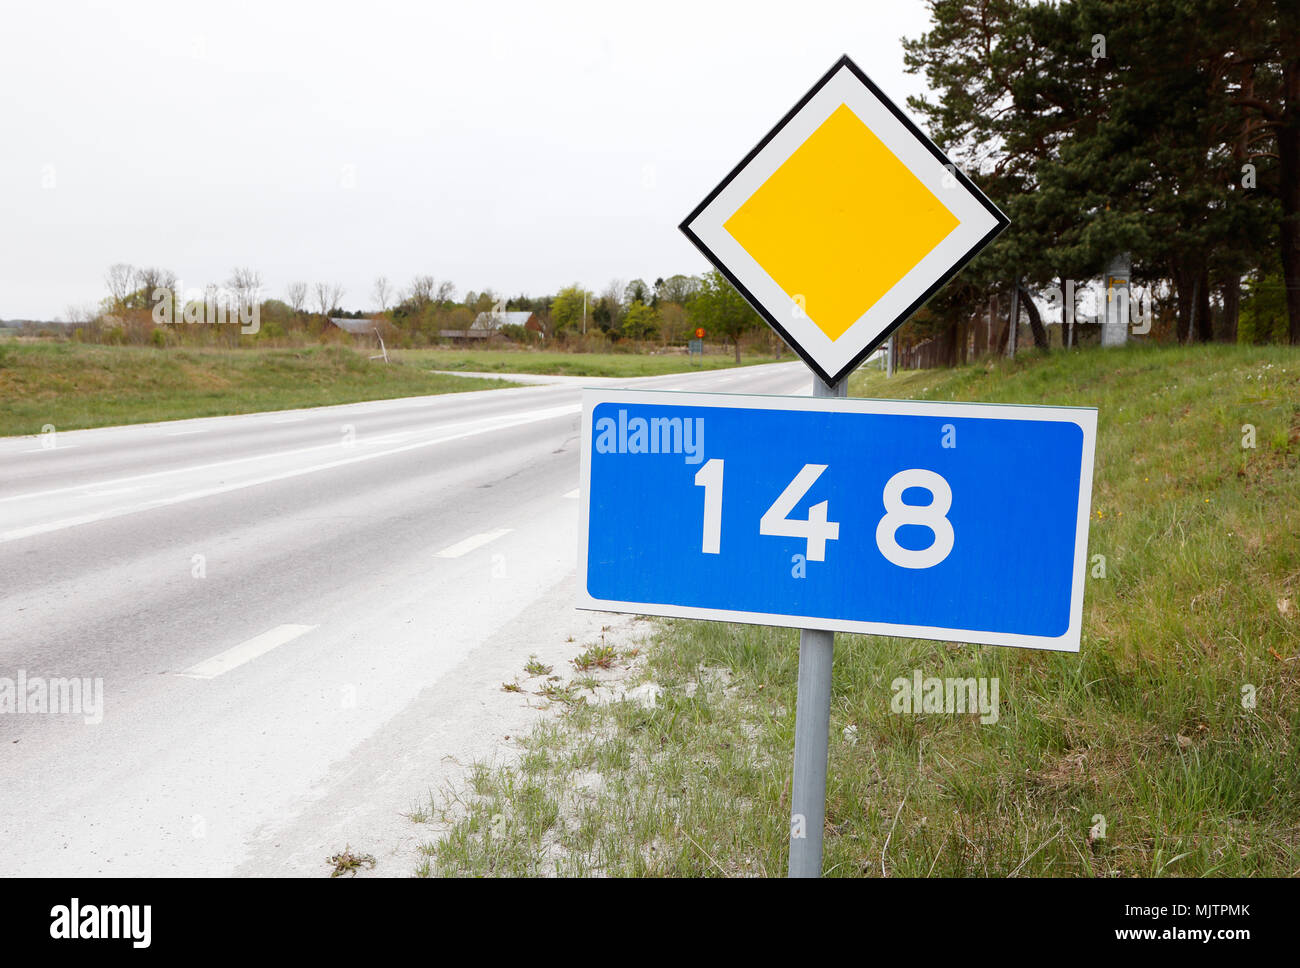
274, 603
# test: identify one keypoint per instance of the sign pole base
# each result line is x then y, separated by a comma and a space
812, 725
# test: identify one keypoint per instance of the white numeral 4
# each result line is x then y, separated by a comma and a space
816, 530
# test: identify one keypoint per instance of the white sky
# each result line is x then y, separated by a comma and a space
512, 146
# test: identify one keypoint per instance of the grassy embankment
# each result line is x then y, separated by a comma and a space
1141, 755
74, 385
575, 364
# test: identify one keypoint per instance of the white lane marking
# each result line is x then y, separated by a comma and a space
185, 433
117, 490
494, 424
48, 450
174, 470
390, 438
572, 495
472, 542
290, 420
244, 460
245, 651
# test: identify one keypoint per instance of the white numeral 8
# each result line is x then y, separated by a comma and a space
932, 516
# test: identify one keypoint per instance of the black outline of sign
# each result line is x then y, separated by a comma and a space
1002, 223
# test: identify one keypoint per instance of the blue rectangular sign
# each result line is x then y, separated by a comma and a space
953, 521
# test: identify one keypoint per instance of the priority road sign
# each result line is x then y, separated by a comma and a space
829, 514
878, 516
842, 222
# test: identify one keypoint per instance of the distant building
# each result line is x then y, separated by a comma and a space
357, 327
494, 321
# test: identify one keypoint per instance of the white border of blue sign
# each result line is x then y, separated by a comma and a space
1084, 417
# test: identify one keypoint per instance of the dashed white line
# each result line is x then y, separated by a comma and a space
572, 495
471, 543
247, 651
184, 433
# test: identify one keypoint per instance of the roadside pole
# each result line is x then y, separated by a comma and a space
1015, 320
812, 726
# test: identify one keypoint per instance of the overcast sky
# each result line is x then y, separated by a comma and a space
516, 147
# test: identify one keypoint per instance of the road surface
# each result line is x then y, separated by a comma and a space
296, 616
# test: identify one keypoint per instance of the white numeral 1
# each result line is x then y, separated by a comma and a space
709, 477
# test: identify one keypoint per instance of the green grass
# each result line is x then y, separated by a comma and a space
572, 364
1144, 731
73, 385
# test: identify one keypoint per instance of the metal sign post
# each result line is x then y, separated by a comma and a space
812, 726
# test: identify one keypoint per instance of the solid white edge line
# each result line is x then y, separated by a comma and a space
334, 445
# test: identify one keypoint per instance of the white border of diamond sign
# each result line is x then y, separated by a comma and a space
979, 220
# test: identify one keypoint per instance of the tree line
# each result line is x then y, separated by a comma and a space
666, 312
1165, 129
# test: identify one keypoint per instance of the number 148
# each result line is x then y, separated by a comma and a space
817, 529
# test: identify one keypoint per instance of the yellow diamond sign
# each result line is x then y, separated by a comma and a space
810, 224
842, 222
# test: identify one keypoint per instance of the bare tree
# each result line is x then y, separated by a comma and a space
246, 284
80, 314
323, 304
151, 277
297, 294
446, 293
421, 291
336, 296
121, 281
613, 297
382, 290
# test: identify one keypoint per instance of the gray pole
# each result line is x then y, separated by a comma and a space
1114, 330
812, 726
1015, 319
889, 363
